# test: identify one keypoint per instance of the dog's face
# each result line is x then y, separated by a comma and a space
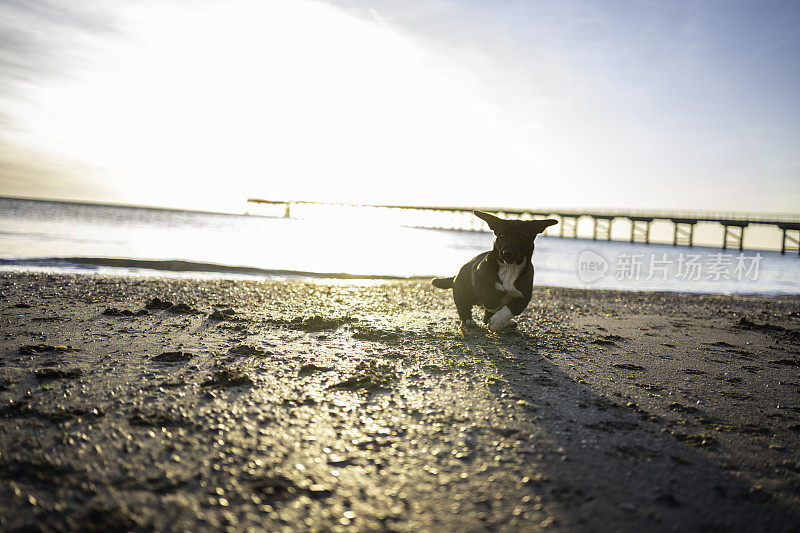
514, 238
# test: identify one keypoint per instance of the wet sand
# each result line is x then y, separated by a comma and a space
173, 404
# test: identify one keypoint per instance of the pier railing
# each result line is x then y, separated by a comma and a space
684, 222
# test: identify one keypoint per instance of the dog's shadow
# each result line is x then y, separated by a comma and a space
587, 443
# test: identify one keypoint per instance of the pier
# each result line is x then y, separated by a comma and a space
733, 224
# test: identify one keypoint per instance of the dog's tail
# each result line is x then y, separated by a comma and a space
443, 283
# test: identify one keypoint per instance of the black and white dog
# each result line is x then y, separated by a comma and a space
500, 280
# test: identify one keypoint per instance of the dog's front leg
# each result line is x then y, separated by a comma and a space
492, 300
500, 319
510, 309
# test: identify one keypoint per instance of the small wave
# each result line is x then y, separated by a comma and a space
178, 265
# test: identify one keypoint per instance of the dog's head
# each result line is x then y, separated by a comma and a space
514, 238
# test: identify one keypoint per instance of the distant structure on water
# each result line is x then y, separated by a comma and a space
684, 222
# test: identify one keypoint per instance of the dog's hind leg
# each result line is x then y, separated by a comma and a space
464, 308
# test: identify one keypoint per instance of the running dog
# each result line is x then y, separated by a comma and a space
501, 280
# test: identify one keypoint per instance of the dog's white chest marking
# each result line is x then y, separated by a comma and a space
508, 274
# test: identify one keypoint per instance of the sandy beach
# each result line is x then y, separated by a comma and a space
135, 403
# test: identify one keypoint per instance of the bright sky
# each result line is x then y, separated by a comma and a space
671, 104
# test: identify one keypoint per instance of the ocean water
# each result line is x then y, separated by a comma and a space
70, 237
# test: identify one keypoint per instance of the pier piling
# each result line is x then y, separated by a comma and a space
640, 229
791, 237
602, 228
568, 226
730, 234
684, 231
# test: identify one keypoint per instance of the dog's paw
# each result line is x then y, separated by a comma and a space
500, 319
468, 324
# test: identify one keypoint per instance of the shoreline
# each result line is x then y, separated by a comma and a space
188, 270
169, 403
171, 266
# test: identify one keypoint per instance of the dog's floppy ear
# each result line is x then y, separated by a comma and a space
494, 222
535, 227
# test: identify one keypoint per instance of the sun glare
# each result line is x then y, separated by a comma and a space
273, 99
